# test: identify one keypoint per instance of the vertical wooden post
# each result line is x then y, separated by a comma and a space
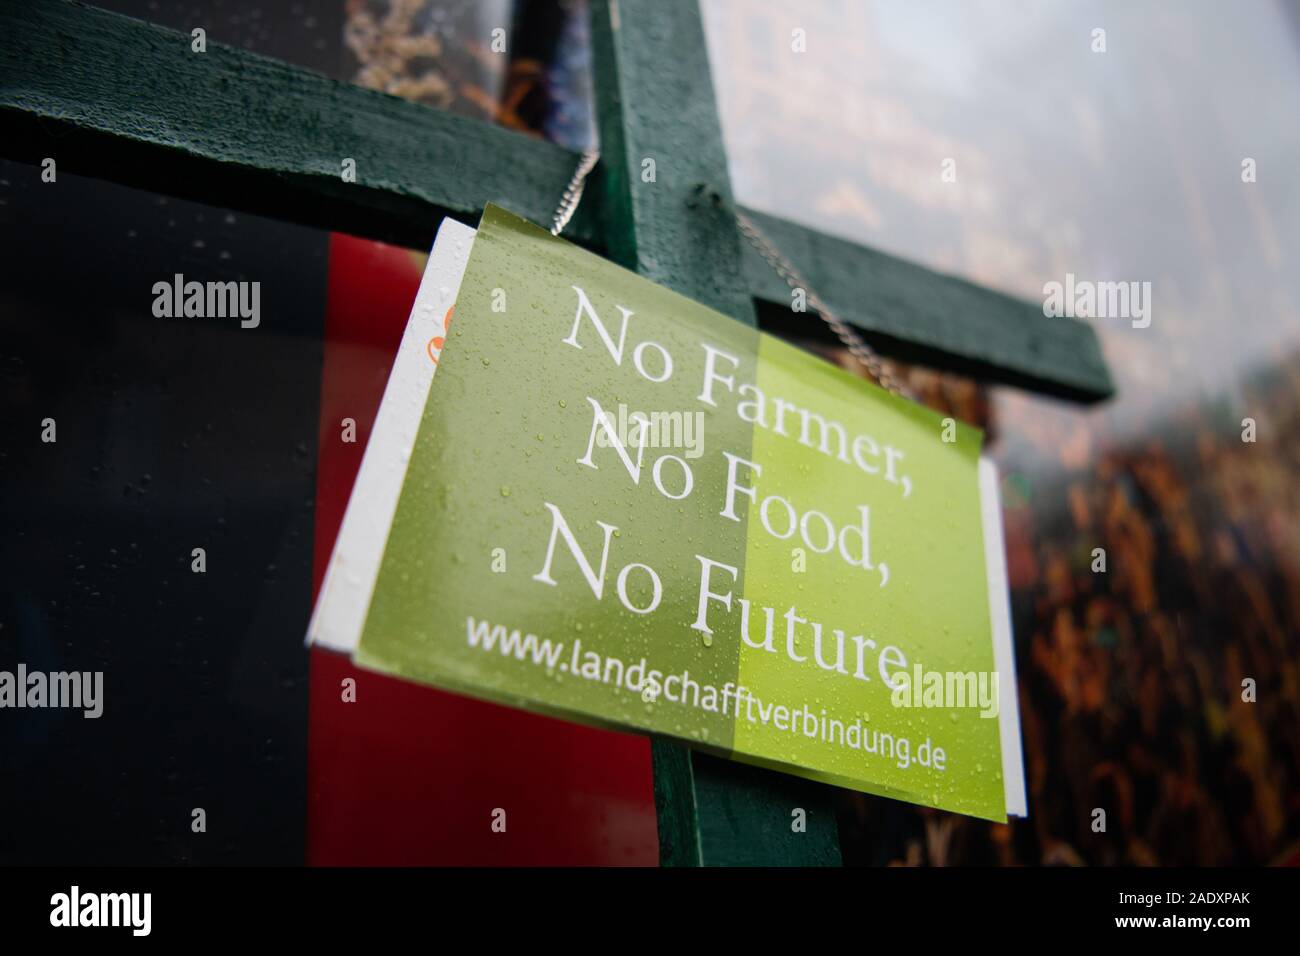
656, 112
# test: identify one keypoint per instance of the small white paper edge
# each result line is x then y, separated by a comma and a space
1004, 657
349, 583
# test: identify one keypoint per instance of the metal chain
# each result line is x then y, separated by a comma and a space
573, 194
876, 366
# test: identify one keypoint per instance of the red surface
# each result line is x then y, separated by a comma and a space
412, 775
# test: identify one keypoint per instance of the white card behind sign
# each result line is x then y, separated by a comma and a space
349, 580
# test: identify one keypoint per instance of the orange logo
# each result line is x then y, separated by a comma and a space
435, 344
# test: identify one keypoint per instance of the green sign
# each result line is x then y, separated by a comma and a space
617, 506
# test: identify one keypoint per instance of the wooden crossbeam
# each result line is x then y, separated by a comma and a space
916, 314
119, 99
122, 100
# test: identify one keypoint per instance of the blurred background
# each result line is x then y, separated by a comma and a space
1116, 165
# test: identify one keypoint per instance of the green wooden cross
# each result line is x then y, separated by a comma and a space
126, 101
